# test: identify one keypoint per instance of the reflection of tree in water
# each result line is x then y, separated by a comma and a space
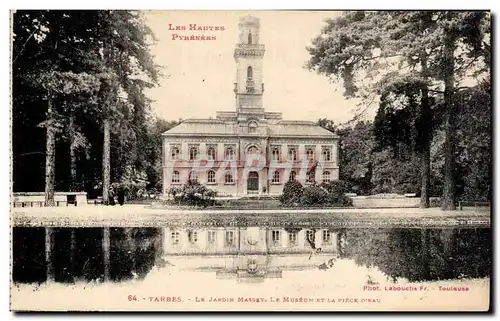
422, 254
133, 252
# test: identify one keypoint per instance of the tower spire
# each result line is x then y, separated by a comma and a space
248, 55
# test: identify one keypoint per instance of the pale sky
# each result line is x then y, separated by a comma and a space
202, 73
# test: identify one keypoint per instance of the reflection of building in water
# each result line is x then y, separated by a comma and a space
250, 253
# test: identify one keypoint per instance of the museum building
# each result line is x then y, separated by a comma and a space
250, 150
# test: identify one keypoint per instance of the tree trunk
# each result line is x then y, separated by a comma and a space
424, 258
50, 156
106, 163
72, 154
448, 201
425, 130
49, 246
425, 152
130, 246
106, 253
448, 240
72, 251
425, 177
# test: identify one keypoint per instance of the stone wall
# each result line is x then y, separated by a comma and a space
31, 199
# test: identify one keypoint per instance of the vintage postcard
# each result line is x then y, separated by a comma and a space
251, 160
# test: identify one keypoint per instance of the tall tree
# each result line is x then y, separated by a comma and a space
59, 55
389, 48
465, 50
125, 40
43, 45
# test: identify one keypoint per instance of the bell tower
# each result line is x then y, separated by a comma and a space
248, 55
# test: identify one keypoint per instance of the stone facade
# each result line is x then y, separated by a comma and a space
250, 150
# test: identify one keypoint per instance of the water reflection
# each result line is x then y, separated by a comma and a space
250, 254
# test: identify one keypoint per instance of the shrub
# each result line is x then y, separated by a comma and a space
332, 193
292, 192
193, 194
314, 195
336, 193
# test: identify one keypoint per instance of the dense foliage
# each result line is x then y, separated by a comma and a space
73, 72
292, 192
367, 168
326, 194
192, 194
417, 65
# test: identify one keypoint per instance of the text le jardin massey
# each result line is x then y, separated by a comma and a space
199, 36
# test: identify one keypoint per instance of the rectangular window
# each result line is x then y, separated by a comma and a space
228, 177
310, 236
327, 154
229, 238
275, 153
175, 237
276, 177
211, 237
326, 177
193, 236
212, 152
310, 153
311, 177
175, 152
230, 153
176, 177
211, 177
276, 235
327, 237
193, 152
293, 153
292, 238
193, 176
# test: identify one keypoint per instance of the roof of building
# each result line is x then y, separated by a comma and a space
299, 128
207, 127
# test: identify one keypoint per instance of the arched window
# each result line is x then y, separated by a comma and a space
193, 176
292, 154
211, 177
327, 155
193, 152
249, 38
174, 152
276, 177
252, 153
252, 127
292, 176
211, 153
275, 153
176, 177
311, 177
229, 153
326, 177
249, 73
310, 153
229, 177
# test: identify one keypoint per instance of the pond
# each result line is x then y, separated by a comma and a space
256, 254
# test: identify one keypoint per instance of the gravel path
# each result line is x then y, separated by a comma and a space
145, 216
